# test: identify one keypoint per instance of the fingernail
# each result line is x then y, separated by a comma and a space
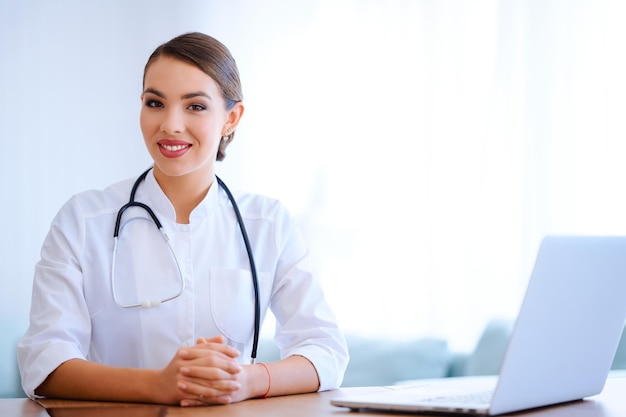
185, 370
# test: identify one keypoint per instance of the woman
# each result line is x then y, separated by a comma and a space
146, 324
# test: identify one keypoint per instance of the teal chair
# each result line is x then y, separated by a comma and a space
10, 384
489, 351
491, 347
619, 362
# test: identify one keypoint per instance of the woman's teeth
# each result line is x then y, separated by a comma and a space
174, 148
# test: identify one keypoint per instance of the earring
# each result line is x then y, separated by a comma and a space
228, 132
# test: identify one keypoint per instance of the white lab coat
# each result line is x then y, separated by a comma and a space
74, 315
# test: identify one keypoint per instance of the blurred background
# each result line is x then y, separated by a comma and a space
426, 147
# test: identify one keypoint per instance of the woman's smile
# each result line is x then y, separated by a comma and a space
173, 148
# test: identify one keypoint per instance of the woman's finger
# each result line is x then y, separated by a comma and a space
217, 392
221, 347
200, 385
202, 401
202, 349
209, 359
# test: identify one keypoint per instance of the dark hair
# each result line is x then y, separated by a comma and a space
211, 57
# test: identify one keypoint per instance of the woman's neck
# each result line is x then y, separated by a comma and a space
185, 192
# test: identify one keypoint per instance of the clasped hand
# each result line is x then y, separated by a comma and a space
207, 373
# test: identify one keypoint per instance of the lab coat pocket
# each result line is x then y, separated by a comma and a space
232, 303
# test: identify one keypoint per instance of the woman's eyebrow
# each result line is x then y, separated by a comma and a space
184, 97
155, 92
196, 94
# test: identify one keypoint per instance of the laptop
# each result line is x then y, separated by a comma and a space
561, 347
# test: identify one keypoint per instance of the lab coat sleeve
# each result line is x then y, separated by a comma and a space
59, 320
305, 323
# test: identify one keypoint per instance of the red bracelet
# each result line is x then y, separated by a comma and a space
269, 380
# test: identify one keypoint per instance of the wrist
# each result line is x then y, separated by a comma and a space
157, 386
256, 381
151, 386
269, 380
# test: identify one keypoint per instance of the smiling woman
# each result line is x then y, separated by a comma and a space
423, 147
188, 117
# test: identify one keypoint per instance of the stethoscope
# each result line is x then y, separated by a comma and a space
181, 288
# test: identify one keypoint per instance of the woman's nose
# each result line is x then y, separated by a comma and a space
173, 122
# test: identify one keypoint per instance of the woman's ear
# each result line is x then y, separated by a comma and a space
234, 116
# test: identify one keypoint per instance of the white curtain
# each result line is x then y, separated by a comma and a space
427, 146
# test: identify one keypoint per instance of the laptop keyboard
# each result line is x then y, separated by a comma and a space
479, 397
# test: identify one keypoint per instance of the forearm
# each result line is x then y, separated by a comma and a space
292, 375
84, 380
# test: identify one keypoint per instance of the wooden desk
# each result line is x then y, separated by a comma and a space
610, 403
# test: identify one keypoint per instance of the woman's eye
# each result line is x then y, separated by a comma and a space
153, 103
196, 107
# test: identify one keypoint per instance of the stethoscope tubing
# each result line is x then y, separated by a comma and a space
244, 234
255, 278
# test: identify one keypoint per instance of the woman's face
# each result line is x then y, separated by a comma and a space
183, 118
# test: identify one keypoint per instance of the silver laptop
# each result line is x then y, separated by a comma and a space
562, 346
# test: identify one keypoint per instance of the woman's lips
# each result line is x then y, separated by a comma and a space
173, 148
